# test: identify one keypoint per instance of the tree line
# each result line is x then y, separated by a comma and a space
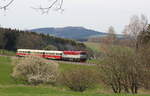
12, 39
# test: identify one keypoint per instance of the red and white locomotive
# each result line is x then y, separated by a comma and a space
57, 55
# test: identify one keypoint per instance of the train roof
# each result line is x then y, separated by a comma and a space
51, 51
47, 51
74, 52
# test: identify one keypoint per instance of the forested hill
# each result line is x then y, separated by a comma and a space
11, 39
77, 33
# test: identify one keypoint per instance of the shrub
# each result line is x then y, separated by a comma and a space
122, 70
35, 70
79, 79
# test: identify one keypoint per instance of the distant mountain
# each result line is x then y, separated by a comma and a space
77, 33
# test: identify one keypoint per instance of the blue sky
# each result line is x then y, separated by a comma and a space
91, 14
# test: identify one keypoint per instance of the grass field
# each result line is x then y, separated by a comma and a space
6, 52
8, 87
48, 91
93, 46
5, 70
64, 66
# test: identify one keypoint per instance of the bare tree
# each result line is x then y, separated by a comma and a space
111, 34
79, 79
122, 70
136, 26
4, 4
144, 50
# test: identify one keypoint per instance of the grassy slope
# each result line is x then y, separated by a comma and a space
48, 91
64, 67
9, 88
96, 48
8, 53
44, 91
5, 70
93, 46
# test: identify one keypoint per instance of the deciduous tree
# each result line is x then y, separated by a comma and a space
111, 35
134, 28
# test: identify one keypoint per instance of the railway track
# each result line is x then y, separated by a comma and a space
65, 62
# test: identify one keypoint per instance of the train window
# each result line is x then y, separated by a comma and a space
20, 52
57, 54
52, 53
49, 53
31, 52
25, 51
34, 52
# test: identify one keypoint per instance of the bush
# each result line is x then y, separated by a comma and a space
122, 70
145, 58
35, 70
79, 79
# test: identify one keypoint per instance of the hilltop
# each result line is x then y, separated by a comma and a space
77, 33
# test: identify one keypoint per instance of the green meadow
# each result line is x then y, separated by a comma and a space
10, 87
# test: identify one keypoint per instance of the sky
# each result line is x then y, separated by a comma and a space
92, 14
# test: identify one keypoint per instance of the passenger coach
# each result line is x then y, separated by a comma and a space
58, 55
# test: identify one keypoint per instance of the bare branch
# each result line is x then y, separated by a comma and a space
4, 7
56, 3
136, 26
